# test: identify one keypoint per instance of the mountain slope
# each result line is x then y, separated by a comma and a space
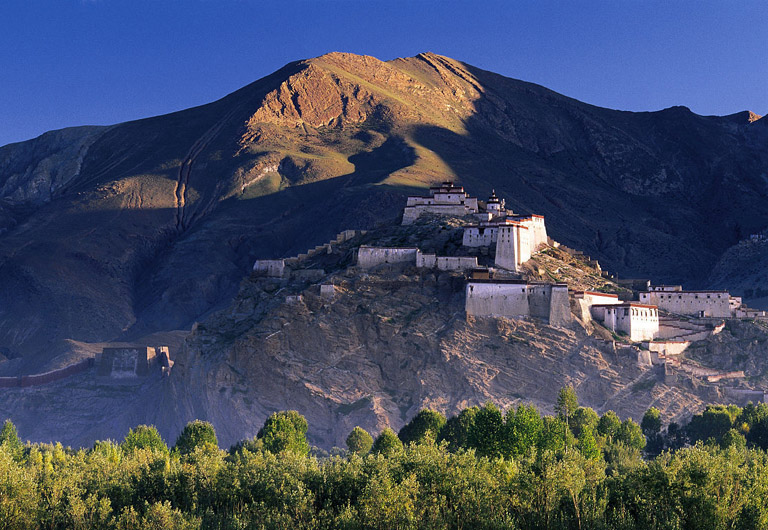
114, 233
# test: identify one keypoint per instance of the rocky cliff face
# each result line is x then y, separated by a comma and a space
148, 226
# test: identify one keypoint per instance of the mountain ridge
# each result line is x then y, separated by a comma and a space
154, 225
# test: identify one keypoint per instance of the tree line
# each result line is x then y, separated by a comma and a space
481, 468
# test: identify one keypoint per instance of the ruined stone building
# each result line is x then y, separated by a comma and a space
129, 362
446, 199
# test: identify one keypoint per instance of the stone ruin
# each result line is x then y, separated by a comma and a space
131, 362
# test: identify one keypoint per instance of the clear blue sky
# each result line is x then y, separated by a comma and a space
75, 62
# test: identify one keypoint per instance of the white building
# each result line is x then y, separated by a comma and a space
639, 321
696, 303
518, 299
446, 199
513, 246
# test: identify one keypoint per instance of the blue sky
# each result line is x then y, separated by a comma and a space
75, 62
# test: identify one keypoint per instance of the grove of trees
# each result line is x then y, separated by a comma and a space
483, 468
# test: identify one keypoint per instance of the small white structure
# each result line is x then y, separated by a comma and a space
695, 303
446, 199
518, 299
584, 300
639, 321
273, 268
327, 290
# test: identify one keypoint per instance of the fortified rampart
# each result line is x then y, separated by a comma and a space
514, 299
445, 263
129, 362
47, 377
368, 257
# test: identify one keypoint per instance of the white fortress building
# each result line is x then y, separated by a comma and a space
672, 298
516, 237
639, 321
445, 199
516, 299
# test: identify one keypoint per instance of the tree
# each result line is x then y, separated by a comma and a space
651, 423
456, 429
523, 429
733, 438
608, 425
487, 433
567, 403
555, 435
587, 444
631, 434
387, 443
10, 439
583, 417
714, 422
285, 431
144, 437
651, 427
196, 434
359, 441
426, 424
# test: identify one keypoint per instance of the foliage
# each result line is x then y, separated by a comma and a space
456, 430
143, 437
387, 443
196, 434
359, 441
285, 431
567, 403
533, 473
426, 424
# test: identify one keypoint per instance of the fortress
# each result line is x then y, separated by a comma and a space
498, 289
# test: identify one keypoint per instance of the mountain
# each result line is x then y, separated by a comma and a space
118, 233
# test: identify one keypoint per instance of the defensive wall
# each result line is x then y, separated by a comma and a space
445, 263
368, 257
47, 377
518, 299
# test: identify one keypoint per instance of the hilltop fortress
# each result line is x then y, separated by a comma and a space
667, 317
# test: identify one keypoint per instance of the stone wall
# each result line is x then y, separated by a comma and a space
445, 263
47, 377
273, 268
368, 257
127, 362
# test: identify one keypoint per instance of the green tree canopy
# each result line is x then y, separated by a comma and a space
10, 438
651, 423
583, 417
631, 434
143, 437
487, 433
196, 433
285, 431
426, 424
359, 441
523, 429
456, 429
567, 403
387, 443
608, 425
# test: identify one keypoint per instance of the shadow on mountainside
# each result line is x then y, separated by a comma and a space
645, 193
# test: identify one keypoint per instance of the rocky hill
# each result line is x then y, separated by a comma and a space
116, 233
